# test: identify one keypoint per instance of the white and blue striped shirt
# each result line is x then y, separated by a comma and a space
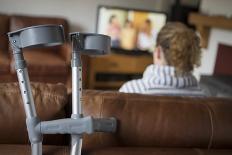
163, 80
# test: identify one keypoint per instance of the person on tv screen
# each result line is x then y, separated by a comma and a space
128, 36
145, 38
114, 30
176, 54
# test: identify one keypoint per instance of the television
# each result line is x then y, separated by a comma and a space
131, 30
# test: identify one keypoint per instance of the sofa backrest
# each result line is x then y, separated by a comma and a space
50, 101
4, 28
20, 21
159, 121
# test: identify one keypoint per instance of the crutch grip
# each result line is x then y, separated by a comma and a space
104, 124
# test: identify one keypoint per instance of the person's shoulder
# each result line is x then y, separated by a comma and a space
133, 86
125, 86
149, 71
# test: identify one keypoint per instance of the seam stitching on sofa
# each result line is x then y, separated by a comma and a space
44, 94
211, 124
199, 151
57, 96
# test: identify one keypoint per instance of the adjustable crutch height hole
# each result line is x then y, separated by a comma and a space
22, 81
24, 92
20, 71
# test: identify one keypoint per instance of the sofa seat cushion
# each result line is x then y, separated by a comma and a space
50, 101
26, 150
64, 150
155, 151
43, 62
4, 63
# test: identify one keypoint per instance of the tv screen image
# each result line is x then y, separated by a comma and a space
130, 29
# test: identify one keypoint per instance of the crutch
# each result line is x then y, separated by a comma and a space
52, 35
90, 44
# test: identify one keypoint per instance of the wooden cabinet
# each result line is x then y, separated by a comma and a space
113, 65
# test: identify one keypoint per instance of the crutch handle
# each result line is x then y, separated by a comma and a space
104, 124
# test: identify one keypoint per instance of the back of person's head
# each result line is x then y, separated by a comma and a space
180, 46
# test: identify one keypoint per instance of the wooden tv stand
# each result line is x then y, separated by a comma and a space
111, 71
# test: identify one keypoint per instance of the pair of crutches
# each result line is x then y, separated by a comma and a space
77, 125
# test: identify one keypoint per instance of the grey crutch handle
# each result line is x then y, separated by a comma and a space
105, 124
77, 126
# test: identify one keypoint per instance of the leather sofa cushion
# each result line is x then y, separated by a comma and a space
4, 28
159, 121
50, 101
4, 62
26, 150
156, 151
43, 62
64, 150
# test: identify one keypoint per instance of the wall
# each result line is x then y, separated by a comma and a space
217, 7
80, 13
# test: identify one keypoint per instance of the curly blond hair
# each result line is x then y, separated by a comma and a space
181, 47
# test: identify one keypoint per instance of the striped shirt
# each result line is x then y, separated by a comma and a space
162, 80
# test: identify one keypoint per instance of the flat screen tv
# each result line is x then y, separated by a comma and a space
131, 30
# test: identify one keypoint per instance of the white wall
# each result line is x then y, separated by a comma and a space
217, 7
80, 13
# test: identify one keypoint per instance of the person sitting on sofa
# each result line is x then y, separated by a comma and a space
176, 54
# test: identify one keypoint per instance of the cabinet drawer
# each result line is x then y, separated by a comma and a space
120, 64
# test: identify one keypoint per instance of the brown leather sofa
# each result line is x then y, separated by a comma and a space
45, 65
147, 125
4, 55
